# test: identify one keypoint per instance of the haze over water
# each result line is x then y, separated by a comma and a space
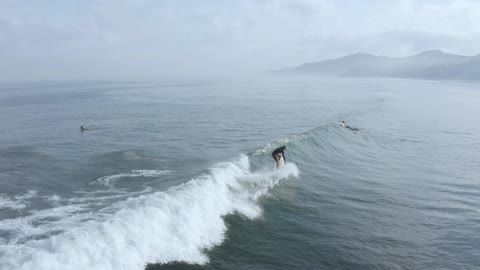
178, 175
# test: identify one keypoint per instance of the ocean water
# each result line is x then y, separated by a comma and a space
178, 175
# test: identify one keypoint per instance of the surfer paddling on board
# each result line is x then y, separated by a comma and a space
279, 156
349, 127
82, 129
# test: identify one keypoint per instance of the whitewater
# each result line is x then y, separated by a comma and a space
175, 225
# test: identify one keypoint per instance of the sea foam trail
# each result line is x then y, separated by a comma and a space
176, 225
110, 179
7, 203
20, 201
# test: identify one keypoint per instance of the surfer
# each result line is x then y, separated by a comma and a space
279, 155
82, 129
349, 127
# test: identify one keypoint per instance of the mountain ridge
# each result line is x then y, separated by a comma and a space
430, 64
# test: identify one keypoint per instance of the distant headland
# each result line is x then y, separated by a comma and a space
433, 64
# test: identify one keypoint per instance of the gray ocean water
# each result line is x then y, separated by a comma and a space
178, 175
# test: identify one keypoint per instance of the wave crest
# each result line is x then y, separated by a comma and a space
175, 225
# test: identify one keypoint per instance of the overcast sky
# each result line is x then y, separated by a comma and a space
162, 39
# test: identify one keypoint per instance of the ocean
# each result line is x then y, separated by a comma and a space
179, 174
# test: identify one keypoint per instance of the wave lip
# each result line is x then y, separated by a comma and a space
175, 225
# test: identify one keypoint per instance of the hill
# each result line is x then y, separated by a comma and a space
433, 64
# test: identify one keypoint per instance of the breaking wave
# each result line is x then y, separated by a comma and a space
175, 225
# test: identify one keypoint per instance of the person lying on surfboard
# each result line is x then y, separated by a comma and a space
279, 156
349, 127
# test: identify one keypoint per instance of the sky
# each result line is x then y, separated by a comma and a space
174, 39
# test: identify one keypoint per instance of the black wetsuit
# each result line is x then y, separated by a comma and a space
349, 127
279, 151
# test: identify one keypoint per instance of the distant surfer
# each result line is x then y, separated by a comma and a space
279, 156
82, 129
349, 127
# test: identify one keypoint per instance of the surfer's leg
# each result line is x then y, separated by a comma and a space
277, 160
280, 161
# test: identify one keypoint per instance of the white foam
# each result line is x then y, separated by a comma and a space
131, 155
20, 202
54, 198
30, 194
176, 225
7, 203
102, 195
110, 179
65, 213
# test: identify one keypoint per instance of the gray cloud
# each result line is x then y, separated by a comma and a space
146, 39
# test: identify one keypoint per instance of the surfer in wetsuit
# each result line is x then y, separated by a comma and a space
349, 127
278, 154
82, 129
